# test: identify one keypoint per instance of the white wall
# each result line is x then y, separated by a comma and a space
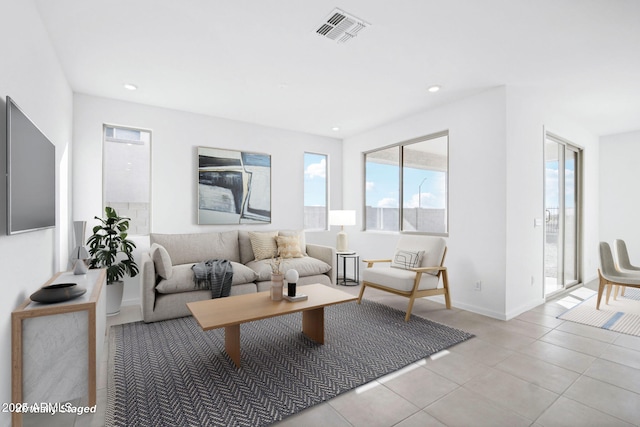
174, 141
496, 192
477, 194
529, 113
619, 201
31, 75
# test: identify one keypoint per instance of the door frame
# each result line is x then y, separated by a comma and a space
578, 177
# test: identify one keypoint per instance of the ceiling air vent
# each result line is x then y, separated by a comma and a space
341, 27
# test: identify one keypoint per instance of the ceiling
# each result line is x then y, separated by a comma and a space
262, 62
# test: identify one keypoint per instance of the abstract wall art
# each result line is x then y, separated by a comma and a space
234, 187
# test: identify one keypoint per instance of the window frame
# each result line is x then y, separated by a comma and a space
401, 166
112, 139
326, 193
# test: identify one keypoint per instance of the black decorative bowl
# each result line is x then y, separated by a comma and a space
57, 292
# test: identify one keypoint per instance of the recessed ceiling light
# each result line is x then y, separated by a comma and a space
130, 86
433, 88
335, 128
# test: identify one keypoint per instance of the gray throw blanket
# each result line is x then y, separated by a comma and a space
214, 274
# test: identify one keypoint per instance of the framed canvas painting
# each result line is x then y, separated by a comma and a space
234, 187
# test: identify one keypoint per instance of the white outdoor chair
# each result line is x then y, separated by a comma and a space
610, 275
623, 263
414, 272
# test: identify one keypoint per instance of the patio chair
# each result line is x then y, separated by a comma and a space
622, 263
414, 272
610, 275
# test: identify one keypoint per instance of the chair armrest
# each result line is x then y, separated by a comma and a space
147, 286
425, 269
370, 262
326, 254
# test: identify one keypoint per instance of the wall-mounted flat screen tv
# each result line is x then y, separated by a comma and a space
31, 174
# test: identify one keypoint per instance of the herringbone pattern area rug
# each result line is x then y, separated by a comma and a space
172, 373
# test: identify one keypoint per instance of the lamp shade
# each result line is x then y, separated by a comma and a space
291, 276
342, 217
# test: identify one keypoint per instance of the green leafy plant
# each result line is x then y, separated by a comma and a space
109, 247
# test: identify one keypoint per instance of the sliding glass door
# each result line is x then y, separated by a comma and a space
562, 214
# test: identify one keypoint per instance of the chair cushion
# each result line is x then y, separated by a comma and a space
305, 266
182, 278
406, 259
432, 246
398, 278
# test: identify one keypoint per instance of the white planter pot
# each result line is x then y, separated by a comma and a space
114, 297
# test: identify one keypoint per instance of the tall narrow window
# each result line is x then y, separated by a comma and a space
315, 191
126, 173
416, 173
563, 213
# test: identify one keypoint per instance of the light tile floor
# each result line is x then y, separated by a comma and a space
534, 370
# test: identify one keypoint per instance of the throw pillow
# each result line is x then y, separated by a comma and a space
289, 247
263, 244
301, 238
161, 261
406, 259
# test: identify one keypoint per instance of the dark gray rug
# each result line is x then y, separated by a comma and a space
172, 373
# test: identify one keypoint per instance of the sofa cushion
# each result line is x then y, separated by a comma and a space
161, 261
182, 278
246, 251
305, 266
289, 247
264, 244
197, 247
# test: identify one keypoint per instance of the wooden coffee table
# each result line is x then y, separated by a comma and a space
229, 313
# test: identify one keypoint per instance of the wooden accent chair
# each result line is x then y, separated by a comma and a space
414, 272
623, 263
609, 275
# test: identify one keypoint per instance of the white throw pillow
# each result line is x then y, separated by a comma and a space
406, 259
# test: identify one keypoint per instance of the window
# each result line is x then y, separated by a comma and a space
126, 173
315, 191
414, 172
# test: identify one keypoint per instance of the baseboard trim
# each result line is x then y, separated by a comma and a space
132, 301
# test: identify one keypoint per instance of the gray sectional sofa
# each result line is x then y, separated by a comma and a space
167, 279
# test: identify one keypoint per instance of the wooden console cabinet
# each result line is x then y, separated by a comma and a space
56, 347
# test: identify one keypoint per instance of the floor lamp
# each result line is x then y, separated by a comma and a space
342, 218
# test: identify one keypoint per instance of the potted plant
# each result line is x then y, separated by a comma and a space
109, 248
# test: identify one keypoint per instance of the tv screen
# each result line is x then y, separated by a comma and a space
31, 174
